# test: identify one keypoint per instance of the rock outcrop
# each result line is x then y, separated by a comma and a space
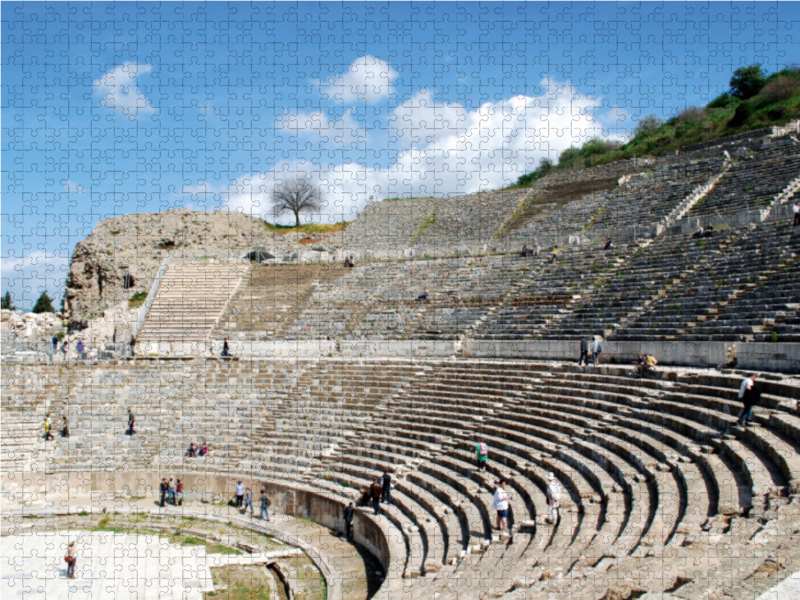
122, 255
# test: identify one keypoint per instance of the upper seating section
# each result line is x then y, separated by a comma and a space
754, 180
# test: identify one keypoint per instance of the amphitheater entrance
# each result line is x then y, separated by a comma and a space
258, 255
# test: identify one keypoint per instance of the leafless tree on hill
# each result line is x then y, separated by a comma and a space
296, 195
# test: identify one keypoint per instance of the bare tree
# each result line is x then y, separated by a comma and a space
296, 195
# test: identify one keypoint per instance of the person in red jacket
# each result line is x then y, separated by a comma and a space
376, 490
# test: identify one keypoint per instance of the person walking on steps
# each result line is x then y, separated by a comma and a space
133, 346
226, 350
239, 494
386, 488
264, 505
796, 211
376, 490
248, 501
47, 425
584, 358
71, 558
131, 422
482, 455
65, 429
501, 505
553, 497
749, 397
597, 349
349, 511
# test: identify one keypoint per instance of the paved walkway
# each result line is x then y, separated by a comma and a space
338, 560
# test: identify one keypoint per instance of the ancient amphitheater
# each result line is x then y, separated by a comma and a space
339, 375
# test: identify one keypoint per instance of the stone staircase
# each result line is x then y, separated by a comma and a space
190, 301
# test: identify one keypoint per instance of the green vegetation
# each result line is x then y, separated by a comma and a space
6, 301
43, 304
429, 220
309, 228
754, 100
399, 199
137, 299
240, 582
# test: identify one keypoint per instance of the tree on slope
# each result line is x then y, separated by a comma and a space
43, 304
747, 81
6, 301
296, 195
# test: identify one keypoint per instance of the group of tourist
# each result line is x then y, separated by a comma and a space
645, 365
502, 499
591, 350
171, 491
243, 497
48, 426
194, 450
82, 351
380, 491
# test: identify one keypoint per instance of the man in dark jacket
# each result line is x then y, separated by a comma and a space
376, 490
164, 489
750, 396
348, 520
386, 485
131, 422
584, 359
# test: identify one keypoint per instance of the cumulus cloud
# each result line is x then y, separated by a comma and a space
340, 132
369, 79
441, 149
120, 90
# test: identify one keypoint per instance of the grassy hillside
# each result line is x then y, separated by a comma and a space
754, 101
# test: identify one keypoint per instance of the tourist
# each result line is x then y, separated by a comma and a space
239, 494
555, 254
524, 253
55, 344
609, 245
65, 428
204, 448
179, 492
65, 350
796, 211
699, 232
501, 505
349, 511
171, 492
71, 558
163, 488
648, 366
748, 398
423, 297
225, 348
192, 451
47, 425
376, 490
131, 422
133, 345
597, 349
584, 357
637, 370
81, 350
553, 497
386, 488
248, 501
264, 504
349, 262
536, 249
482, 455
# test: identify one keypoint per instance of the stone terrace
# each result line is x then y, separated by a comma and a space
654, 474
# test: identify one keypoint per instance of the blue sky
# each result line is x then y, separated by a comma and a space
109, 109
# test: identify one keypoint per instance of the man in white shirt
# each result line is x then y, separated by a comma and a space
501, 505
239, 494
553, 497
744, 397
796, 210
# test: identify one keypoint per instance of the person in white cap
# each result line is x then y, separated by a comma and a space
553, 496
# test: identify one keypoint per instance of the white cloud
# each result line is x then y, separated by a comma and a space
368, 79
443, 149
341, 132
121, 92
73, 188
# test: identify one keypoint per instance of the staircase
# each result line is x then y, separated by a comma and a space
190, 301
